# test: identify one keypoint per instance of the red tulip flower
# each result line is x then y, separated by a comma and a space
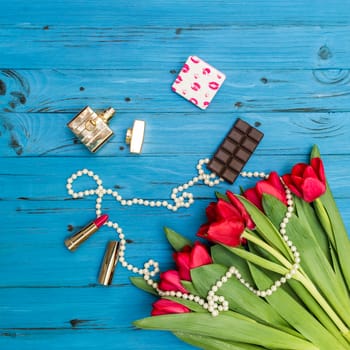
191, 257
226, 221
307, 181
272, 185
170, 281
165, 306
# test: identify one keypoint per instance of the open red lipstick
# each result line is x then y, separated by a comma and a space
74, 242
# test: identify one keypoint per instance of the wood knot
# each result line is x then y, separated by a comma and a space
324, 53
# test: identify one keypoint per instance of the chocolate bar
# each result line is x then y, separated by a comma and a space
234, 152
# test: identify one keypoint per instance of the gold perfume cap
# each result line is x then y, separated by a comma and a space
135, 135
109, 263
107, 114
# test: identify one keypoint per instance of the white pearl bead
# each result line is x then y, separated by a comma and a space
232, 270
215, 313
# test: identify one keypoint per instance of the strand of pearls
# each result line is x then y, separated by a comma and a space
215, 303
180, 198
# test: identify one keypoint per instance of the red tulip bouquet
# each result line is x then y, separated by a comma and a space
273, 271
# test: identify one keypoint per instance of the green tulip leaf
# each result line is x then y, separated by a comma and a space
297, 315
313, 261
140, 283
312, 305
192, 305
189, 287
210, 343
239, 297
265, 227
221, 196
223, 256
259, 261
342, 242
228, 327
177, 241
309, 220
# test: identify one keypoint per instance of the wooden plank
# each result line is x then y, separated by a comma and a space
146, 177
146, 47
164, 13
141, 90
88, 339
46, 135
44, 261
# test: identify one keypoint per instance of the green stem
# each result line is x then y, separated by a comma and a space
323, 303
268, 248
305, 281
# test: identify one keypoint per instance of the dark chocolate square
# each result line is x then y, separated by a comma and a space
223, 155
235, 150
242, 125
256, 134
236, 135
249, 144
229, 175
229, 146
236, 164
242, 154
216, 166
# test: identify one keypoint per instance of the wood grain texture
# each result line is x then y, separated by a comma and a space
288, 74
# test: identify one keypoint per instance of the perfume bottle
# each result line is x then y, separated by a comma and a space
91, 128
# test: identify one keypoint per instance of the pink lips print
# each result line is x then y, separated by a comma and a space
193, 100
195, 86
206, 71
185, 68
214, 85
195, 59
178, 80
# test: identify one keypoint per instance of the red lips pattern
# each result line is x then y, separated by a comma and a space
198, 82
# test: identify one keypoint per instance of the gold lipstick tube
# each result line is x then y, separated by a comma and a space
73, 242
109, 263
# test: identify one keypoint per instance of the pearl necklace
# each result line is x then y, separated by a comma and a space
180, 198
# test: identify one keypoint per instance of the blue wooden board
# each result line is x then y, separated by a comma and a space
288, 73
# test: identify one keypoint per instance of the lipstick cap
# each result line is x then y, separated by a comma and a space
109, 263
73, 242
